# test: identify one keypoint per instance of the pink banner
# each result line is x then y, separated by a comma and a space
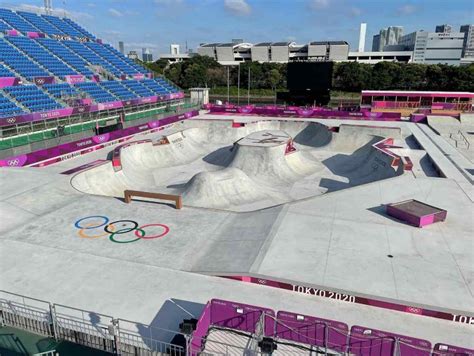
43, 80
33, 34
12, 33
76, 78
139, 76
8, 81
110, 105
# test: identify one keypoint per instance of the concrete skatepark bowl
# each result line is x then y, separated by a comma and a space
246, 168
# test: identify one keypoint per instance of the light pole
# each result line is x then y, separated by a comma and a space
228, 85
248, 87
238, 85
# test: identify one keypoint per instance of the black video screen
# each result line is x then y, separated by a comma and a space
309, 75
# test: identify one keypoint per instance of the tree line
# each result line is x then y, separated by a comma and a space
203, 71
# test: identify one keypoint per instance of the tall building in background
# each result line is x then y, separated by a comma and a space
389, 36
443, 28
147, 56
121, 47
363, 29
434, 47
468, 42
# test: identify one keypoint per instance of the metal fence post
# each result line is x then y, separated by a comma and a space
114, 329
52, 315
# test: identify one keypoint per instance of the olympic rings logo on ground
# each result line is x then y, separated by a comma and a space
116, 228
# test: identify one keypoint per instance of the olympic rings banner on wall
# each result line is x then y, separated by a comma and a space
97, 226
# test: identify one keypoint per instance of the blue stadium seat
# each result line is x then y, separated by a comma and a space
61, 90
119, 90
138, 88
79, 28
41, 55
92, 57
32, 97
4, 26
139, 68
19, 61
8, 107
5, 72
17, 22
96, 92
117, 62
39, 22
158, 88
64, 26
67, 55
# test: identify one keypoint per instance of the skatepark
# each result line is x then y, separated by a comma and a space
262, 164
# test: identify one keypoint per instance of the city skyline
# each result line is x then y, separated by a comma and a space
199, 21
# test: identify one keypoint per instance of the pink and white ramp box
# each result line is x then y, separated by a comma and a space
416, 213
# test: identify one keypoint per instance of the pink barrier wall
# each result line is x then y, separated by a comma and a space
292, 111
202, 327
368, 342
312, 330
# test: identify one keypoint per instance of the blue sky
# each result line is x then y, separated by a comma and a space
157, 23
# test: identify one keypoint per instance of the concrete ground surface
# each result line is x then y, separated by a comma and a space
337, 238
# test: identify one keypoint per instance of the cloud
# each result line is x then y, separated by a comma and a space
319, 4
355, 11
237, 7
56, 11
406, 10
115, 13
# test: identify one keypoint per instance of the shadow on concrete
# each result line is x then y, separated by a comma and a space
314, 135
165, 324
157, 202
427, 167
220, 157
365, 165
381, 210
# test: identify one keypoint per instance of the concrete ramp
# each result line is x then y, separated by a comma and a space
246, 168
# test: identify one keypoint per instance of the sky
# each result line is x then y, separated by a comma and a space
156, 24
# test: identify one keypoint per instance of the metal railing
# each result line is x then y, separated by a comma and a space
87, 328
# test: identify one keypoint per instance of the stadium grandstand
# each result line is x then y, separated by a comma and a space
53, 69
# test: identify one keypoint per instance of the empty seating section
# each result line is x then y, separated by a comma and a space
139, 68
61, 90
115, 60
98, 93
165, 84
17, 22
138, 87
63, 26
154, 86
92, 57
42, 56
5, 72
4, 26
40, 23
32, 97
8, 107
79, 28
67, 55
118, 90
65, 49
19, 62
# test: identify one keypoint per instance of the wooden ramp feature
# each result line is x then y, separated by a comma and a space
128, 194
